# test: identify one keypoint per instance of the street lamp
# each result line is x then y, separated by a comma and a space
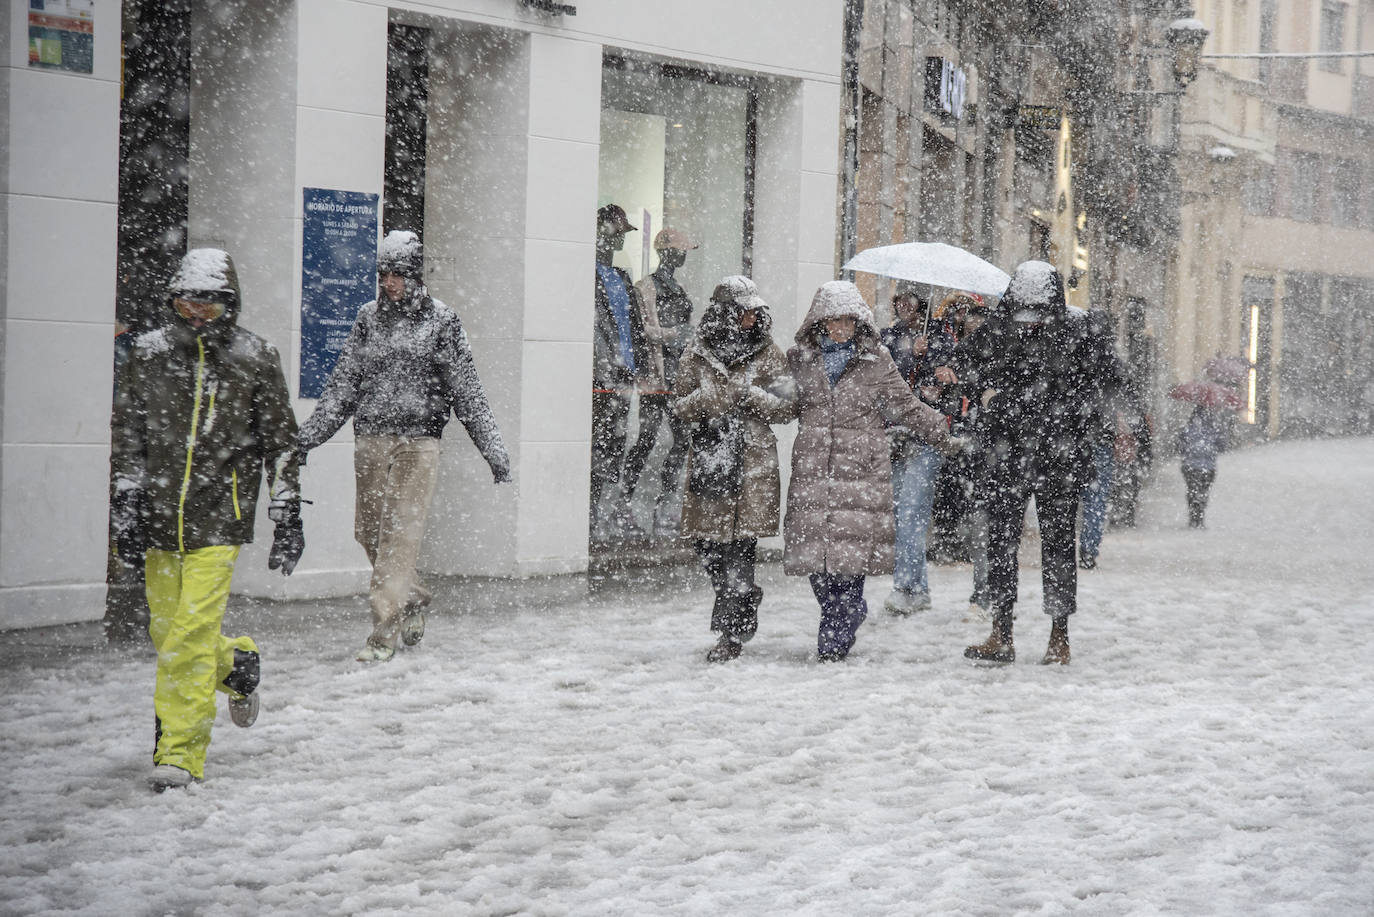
1186, 37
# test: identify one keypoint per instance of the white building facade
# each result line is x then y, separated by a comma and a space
717, 117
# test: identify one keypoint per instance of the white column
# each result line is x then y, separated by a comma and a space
59, 155
559, 259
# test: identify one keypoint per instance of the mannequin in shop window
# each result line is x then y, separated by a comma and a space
667, 320
619, 353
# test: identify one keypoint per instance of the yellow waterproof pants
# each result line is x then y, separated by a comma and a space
187, 595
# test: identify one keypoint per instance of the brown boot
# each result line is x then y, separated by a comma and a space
997, 647
1057, 653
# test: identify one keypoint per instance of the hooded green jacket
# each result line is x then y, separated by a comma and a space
199, 414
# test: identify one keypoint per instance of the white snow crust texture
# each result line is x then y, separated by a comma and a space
1209, 751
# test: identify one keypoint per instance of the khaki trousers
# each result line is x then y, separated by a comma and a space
395, 478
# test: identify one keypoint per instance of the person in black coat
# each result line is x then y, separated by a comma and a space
1039, 372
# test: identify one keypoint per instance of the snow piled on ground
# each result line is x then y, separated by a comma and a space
1210, 750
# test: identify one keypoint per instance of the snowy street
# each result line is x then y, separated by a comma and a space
545, 752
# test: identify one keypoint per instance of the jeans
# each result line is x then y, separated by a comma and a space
913, 495
1095, 497
1197, 483
843, 609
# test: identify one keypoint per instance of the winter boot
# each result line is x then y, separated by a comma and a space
726, 648
169, 776
997, 648
1057, 653
413, 627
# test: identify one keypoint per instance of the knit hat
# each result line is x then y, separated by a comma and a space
401, 253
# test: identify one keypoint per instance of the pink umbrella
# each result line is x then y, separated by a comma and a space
1207, 394
1226, 370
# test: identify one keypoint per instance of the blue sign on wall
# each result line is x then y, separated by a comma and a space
338, 276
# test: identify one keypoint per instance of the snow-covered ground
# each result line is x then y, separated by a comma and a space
1209, 751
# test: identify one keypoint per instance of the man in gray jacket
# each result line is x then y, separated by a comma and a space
405, 366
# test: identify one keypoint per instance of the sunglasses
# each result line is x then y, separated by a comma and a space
191, 309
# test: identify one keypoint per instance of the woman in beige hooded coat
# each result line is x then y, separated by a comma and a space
839, 524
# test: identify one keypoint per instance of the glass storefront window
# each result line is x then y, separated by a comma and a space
676, 152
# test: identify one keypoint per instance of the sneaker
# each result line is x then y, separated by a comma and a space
1087, 562
169, 776
903, 603
375, 652
413, 628
243, 710
726, 649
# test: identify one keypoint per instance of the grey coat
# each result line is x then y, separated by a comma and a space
839, 502
401, 372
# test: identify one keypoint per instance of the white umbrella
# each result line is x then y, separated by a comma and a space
934, 263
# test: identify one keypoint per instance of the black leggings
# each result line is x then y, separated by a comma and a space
1197, 483
730, 564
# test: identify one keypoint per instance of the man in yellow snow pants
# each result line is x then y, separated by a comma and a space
187, 594
202, 415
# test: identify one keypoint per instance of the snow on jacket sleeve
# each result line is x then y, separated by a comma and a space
128, 431
339, 399
898, 405
469, 401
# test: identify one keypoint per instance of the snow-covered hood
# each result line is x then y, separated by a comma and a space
208, 271
1035, 294
837, 299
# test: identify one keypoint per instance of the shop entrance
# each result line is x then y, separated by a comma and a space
677, 155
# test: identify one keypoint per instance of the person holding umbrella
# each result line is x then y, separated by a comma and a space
922, 356
1209, 430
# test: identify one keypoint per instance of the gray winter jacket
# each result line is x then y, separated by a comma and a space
401, 371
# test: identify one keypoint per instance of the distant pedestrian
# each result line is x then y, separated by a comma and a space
202, 411
1206, 435
732, 384
405, 366
839, 524
1039, 370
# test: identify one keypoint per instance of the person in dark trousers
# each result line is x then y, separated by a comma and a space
667, 320
733, 383
1039, 370
839, 525
202, 412
405, 368
619, 355
1206, 435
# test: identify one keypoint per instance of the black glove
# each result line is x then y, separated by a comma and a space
288, 540
127, 525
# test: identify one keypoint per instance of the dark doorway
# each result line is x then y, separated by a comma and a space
407, 127
154, 149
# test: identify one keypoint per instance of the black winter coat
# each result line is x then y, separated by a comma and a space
608, 370
1044, 387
